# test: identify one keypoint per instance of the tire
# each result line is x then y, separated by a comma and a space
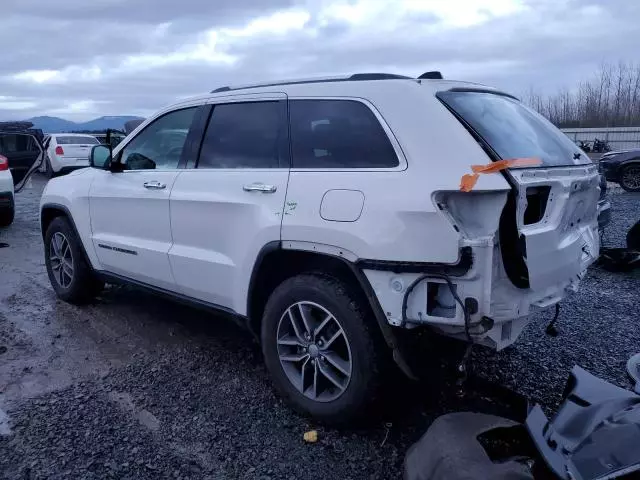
633, 237
7, 214
321, 296
79, 284
48, 171
630, 177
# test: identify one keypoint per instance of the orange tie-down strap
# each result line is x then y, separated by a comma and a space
469, 180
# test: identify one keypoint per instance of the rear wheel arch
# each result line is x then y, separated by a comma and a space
276, 264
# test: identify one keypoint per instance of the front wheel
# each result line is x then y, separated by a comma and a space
70, 275
630, 177
320, 348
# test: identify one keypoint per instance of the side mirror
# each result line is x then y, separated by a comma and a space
100, 157
633, 369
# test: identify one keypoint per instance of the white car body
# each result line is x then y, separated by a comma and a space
68, 151
201, 233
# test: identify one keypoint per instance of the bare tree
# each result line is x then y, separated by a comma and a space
611, 98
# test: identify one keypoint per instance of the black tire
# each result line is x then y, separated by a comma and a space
84, 284
627, 170
366, 353
633, 237
48, 171
7, 214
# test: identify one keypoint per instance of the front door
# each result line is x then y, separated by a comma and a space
227, 208
130, 222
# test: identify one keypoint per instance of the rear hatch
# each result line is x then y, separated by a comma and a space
549, 227
76, 148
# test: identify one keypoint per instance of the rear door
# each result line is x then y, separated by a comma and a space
226, 208
22, 151
130, 223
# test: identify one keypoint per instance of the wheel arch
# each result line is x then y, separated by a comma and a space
274, 264
49, 212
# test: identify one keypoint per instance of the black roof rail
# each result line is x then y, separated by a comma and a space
354, 77
435, 75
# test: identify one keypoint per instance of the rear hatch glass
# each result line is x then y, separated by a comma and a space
513, 130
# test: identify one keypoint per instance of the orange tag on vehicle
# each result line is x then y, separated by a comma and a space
468, 181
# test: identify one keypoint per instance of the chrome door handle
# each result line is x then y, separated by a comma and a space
260, 187
155, 185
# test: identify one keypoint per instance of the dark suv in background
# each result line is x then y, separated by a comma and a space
622, 167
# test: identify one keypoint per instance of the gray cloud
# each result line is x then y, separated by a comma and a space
548, 45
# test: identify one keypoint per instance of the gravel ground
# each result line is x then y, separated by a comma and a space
137, 387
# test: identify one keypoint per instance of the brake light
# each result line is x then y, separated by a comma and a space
4, 163
59, 150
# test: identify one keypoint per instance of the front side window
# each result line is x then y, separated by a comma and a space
243, 135
338, 134
159, 146
513, 130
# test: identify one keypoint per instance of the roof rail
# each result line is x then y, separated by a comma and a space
354, 77
435, 75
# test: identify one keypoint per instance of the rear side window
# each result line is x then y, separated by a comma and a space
513, 130
338, 134
245, 135
73, 140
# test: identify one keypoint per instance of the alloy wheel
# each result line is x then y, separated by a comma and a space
314, 351
631, 177
61, 259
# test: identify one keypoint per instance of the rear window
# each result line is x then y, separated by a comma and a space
73, 140
513, 130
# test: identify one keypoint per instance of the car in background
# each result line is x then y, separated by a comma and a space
19, 150
623, 168
66, 152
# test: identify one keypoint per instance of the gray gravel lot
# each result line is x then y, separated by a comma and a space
137, 387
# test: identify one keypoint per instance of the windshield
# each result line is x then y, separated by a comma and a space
512, 130
77, 140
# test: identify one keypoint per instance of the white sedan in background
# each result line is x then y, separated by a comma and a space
67, 152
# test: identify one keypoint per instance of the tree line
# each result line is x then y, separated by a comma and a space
610, 99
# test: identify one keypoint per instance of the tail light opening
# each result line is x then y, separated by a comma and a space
59, 150
4, 163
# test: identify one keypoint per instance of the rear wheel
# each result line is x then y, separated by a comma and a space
69, 273
319, 348
630, 177
7, 214
48, 171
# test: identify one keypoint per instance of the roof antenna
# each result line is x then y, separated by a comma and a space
435, 75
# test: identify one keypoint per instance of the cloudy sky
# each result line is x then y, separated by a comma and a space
79, 59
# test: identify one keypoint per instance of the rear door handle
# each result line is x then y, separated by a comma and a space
154, 185
260, 187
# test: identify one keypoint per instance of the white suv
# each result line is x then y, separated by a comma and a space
327, 215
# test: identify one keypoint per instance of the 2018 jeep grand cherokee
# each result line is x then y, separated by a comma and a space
328, 214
